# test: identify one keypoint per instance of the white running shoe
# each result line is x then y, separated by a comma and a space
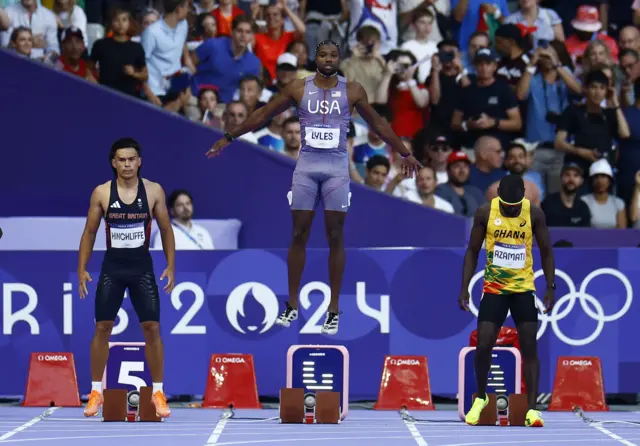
288, 315
330, 326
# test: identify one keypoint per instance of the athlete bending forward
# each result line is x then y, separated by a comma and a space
509, 223
325, 102
128, 204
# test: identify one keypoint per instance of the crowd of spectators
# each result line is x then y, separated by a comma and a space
546, 89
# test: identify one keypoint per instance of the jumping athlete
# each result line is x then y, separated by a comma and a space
128, 204
325, 102
509, 222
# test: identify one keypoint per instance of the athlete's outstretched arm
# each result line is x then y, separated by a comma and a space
88, 240
541, 232
166, 232
360, 101
478, 233
262, 115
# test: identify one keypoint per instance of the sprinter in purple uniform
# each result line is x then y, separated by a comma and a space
325, 102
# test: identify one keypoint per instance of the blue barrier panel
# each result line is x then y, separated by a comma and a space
400, 302
58, 159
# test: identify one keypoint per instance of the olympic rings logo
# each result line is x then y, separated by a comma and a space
590, 305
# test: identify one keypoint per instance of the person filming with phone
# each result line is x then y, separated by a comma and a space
366, 63
488, 106
546, 86
407, 98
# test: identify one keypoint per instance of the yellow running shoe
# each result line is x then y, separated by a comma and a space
534, 419
479, 404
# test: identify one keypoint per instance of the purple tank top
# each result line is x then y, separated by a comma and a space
324, 117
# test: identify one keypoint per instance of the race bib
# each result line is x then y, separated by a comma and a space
509, 256
322, 138
129, 236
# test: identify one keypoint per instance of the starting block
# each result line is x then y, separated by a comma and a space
116, 405
504, 411
317, 385
503, 387
125, 374
578, 383
52, 381
127, 385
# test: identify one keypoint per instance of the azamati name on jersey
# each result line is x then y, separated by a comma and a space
503, 233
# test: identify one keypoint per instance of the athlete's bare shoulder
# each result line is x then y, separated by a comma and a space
294, 91
481, 216
356, 92
538, 217
101, 194
153, 189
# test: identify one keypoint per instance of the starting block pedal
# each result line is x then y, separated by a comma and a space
489, 416
114, 405
327, 407
146, 408
292, 409
518, 408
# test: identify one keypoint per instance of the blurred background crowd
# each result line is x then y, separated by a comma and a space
475, 88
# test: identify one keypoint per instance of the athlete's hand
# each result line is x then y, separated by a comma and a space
463, 300
549, 300
83, 276
217, 147
410, 165
169, 275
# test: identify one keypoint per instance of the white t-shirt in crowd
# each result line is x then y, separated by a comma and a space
440, 203
422, 51
194, 238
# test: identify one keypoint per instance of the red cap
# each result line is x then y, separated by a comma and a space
457, 156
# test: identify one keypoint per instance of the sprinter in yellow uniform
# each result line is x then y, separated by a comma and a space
508, 223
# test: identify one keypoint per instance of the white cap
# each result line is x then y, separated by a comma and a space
601, 167
287, 59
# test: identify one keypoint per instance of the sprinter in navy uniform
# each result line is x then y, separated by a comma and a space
128, 204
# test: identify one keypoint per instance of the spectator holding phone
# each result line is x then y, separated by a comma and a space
447, 76
545, 85
366, 64
586, 132
407, 98
488, 106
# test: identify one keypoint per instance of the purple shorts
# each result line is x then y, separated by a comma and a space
321, 176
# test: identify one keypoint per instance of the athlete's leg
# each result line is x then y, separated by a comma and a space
336, 198
303, 199
145, 299
491, 315
109, 297
525, 315
297, 257
334, 224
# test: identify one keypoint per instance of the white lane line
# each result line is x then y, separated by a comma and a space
28, 424
213, 439
616, 437
416, 434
